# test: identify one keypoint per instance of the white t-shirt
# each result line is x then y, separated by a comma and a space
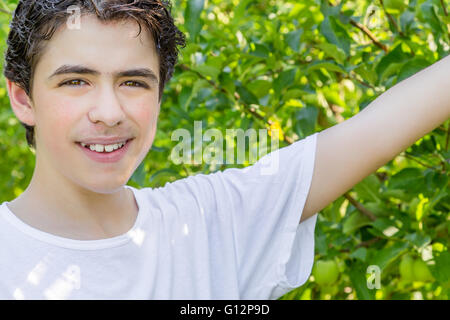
232, 234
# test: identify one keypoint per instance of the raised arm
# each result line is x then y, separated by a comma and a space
352, 150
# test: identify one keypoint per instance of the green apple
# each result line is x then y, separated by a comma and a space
325, 272
421, 271
327, 292
406, 268
329, 289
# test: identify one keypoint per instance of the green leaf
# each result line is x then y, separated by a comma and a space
185, 97
377, 208
441, 269
293, 94
412, 67
429, 11
367, 73
246, 95
360, 254
392, 60
139, 175
259, 50
368, 189
306, 121
386, 255
396, 193
357, 274
240, 10
192, 17
181, 113
418, 240
382, 224
293, 39
333, 97
410, 179
227, 82
333, 51
407, 21
284, 80
355, 221
439, 181
260, 87
207, 70
335, 33
329, 10
438, 195
320, 241
328, 65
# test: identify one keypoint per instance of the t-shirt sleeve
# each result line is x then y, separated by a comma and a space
275, 252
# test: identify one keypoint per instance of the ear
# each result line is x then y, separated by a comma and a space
20, 103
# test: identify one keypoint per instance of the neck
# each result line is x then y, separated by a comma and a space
57, 205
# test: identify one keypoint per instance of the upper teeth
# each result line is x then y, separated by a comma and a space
103, 148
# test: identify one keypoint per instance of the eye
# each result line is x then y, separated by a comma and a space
139, 84
69, 83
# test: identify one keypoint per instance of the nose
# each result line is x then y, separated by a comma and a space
107, 108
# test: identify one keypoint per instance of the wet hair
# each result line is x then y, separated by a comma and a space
35, 21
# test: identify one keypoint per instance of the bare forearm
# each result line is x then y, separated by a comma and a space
350, 151
410, 109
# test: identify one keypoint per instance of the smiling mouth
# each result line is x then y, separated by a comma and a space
103, 148
110, 155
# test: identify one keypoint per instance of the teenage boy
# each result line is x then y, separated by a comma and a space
90, 98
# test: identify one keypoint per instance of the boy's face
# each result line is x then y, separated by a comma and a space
95, 106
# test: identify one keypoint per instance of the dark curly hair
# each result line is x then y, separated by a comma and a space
35, 21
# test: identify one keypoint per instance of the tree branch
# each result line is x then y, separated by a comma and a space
364, 244
392, 19
443, 7
369, 34
416, 160
360, 207
5, 11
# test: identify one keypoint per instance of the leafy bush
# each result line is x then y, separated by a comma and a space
303, 66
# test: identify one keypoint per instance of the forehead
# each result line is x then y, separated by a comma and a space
107, 46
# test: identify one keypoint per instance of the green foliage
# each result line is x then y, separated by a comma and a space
305, 66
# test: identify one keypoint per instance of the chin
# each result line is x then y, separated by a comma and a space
105, 187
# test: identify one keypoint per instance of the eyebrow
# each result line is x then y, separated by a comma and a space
138, 72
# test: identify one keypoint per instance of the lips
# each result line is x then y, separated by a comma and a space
105, 141
106, 157
87, 145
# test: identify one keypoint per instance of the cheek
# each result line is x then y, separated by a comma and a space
147, 116
57, 122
